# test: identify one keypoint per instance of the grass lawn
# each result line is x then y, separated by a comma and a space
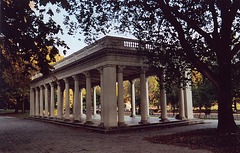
6, 111
207, 139
13, 114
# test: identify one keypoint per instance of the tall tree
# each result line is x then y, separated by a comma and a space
27, 44
203, 33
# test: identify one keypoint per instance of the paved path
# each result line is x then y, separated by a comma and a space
23, 136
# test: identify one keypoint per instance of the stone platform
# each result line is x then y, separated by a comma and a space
132, 123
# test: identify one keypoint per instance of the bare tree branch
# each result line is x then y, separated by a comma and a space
214, 14
235, 50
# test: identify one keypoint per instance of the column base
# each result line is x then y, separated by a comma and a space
76, 121
58, 118
67, 120
133, 116
180, 118
143, 122
88, 123
122, 124
164, 120
101, 125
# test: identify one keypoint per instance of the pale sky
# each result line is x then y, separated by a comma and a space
72, 41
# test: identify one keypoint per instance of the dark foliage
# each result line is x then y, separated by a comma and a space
26, 37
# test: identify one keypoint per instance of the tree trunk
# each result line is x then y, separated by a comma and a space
23, 107
235, 105
226, 123
17, 105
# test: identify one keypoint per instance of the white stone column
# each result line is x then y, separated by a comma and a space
163, 101
120, 97
109, 96
101, 96
188, 99
147, 97
181, 103
59, 101
41, 101
37, 102
133, 98
143, 97
76, 99
81, 102
88, 99
94, 100
46, 100
32, 101
62, 103
67, 110
52, 101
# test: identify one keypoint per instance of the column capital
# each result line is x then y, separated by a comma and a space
52, 84
76, 77
46, 85
41, 87
32, 89
37, 88
143, 70
66, 80
109, 65
87, 74
58, 83
132, 81
100, 69
120, 68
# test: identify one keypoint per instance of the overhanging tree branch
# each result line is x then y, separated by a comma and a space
192, 24
235, 50
187, 47
214, 15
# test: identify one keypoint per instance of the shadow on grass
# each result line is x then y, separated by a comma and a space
208, 139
